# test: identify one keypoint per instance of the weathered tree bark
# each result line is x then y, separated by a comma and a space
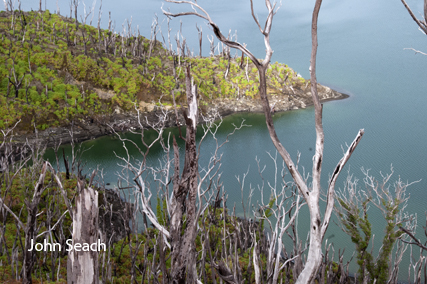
185, 193
14, 80
82, 266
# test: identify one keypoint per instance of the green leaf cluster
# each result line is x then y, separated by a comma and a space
356, 224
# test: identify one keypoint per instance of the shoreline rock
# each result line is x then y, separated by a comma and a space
92, 128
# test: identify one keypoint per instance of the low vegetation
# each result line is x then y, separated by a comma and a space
54, 72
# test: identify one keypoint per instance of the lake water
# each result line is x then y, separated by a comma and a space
361, 52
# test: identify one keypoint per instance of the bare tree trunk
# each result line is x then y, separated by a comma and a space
30, 229
99, 28
14, 79
314, 257
85, 39
185, 192
199, 30
82, 266
76, 21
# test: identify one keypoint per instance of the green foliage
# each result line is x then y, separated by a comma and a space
161, 210
356, 224
267, 212
48, 58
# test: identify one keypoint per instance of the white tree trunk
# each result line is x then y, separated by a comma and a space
314, 257
82, 266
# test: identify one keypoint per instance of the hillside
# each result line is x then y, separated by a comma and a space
55, 72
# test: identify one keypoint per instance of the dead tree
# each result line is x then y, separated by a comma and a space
76, 20
200, 32
99, 28
109, 36
211, 46
31, 227
154, 30
311, 195
14, 79
180, 45
185, 194
85, 33
58, 10
83, 266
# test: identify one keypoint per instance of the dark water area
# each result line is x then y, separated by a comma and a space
361, 52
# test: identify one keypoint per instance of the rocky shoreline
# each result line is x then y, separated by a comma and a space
119, 121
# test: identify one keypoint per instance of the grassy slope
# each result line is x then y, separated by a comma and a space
45, 53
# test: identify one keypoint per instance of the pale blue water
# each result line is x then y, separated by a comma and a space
361, 52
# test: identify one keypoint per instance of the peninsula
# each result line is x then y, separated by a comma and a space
57, 72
